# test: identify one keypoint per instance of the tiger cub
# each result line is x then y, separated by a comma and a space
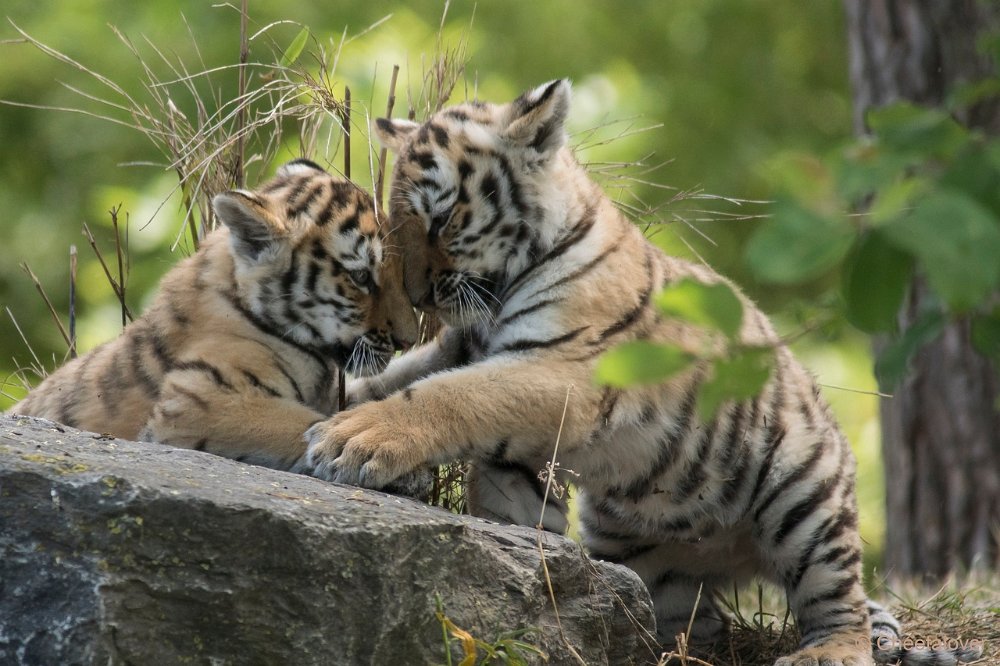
536, 273
237, 353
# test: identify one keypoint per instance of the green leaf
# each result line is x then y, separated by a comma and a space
294, 49
957, 242
740, 377
986, 334
641, 362
866, 166
976, 172
917, 131
802, 176
895, 199
797, 245
714, 306
893, 361
876, 276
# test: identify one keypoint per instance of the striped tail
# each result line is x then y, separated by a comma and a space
889, 646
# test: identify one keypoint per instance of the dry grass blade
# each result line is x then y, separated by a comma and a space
37, 368
238, 167
72, 301
345, 120
444, 72
541, 548
384, 153
117, 288
52, 311
120, 252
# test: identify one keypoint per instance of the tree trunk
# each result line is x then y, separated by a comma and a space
941, 430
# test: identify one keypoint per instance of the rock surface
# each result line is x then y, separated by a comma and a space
116, 552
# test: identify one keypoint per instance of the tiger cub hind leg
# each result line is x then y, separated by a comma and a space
514, 494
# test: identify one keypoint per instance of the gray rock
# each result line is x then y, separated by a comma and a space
116, 552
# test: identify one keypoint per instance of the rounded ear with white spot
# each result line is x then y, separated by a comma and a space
301, 165
252, 229
392, 133
537, 118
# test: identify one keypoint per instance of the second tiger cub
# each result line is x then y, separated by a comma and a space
238, 352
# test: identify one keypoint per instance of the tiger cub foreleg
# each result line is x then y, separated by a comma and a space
504, 409
451, 349
254, 425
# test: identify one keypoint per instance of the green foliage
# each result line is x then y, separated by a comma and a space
640, 362
797, 244
713, 306
876, 277
891, 364
732, 371
931, 206
956, 242
740, 376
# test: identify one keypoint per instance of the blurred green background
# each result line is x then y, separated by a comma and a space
734, 85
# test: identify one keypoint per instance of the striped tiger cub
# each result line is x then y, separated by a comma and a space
238, 351
536, 273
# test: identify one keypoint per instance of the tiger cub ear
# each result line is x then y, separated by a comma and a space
252, 229
536, 119
393, 133
300, 165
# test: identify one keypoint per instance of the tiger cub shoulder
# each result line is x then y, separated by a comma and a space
237, 353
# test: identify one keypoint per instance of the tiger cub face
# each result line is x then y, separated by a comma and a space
311, 264
470, 188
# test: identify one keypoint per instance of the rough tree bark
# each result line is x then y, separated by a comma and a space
941, 430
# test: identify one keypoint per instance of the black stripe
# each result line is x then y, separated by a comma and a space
136, 343
269, 328
513, 187
440, 135
804, 509
190, 395
257, 383
628, 552
668, 448
586, 268
844, 586
795, 476
695, 475
525, 345
205, 367
609, 399
424, 159
351, 222
161, 352
294, 384
633, 315
574, 236
296, 208
774, 435
527, 310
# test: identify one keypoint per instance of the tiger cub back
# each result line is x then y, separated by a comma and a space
238, 351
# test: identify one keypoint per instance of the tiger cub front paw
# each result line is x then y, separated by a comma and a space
363, 446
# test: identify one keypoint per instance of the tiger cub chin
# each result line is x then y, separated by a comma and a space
238, 351
537, 273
